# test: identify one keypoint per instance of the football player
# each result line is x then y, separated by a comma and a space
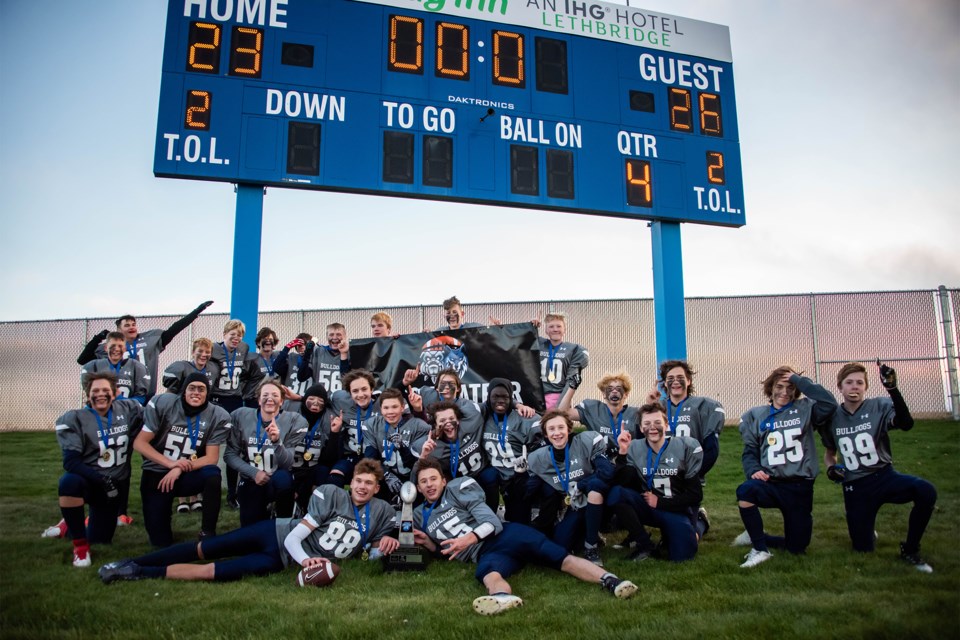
381, 325
572, 475
177, 372
180, 444
610, 416
395, 440
355, 402
457, 434
320, 449
561, 363
337, 525
133, 381
455, 315
860, 431
690, 416
272, 363
327, 364
96, 442
237, 370
455, 522
302, 345
780, 462
658, 484
507, 437
260, 448
145, 346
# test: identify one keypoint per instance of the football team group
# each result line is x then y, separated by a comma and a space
316, 453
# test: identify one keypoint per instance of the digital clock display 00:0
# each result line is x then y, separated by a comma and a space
406, 42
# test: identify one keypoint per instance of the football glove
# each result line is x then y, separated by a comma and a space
394, 484
103, 335
888, 377
296, 342
110, 488
836, 472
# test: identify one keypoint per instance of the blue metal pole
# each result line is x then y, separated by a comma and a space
245, 291
669, 316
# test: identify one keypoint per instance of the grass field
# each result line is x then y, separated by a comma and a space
829, 593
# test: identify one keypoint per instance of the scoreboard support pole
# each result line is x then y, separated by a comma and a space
669, 315
247, 233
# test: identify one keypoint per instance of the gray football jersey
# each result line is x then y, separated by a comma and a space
294, 362
460, 511
177, 372
133, 381
413, 433
103, 442
146, 350
176, 436
338, 535
353, 419
232, 369
695, 417
326, 368
582, 448
862, 437
784, 438
679, 458
243, 444
569, 359
596, 416
313, 441
467, 453
505, 445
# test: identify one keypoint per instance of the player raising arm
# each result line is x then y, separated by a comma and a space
860, 431
780, 462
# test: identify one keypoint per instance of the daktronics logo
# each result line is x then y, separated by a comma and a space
482, 5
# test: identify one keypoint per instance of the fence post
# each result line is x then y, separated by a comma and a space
950, 347
816, 339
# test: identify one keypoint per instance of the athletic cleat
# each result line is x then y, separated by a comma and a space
120, 570
232, 503
497, 603
196, 506
915, 560
206, 535
742, 540
705, 519
183, 507
622, 589
628, 543
754, 558
123, 520
58, 530
81, 557
592, 553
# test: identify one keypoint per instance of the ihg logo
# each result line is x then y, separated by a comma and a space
482, 5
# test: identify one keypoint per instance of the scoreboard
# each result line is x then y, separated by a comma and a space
563, 105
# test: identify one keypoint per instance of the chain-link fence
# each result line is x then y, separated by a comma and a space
731, 342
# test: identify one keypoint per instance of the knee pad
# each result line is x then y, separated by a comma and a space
72, 485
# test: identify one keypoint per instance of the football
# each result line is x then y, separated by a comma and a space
319, 575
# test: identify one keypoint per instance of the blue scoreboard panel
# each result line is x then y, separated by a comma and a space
564, 105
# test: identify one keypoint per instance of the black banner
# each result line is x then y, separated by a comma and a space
510, 351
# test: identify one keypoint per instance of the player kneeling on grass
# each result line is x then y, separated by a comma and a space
658, 484
96, 442
860, 430
455, 521
338, 525
572, 475
180, 444
780, 462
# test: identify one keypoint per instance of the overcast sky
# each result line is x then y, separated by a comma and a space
849, 139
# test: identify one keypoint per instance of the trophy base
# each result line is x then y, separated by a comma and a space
406, 558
